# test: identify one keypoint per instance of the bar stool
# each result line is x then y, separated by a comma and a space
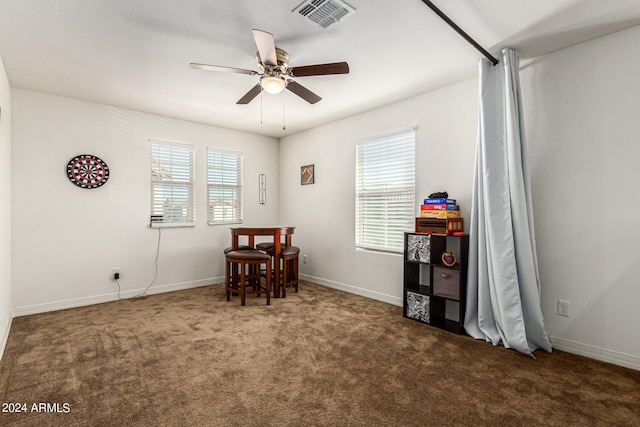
243, 258
240, 248
228, 272
265, 246
269, 248
289, 256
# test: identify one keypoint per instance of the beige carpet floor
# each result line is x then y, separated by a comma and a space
317, 358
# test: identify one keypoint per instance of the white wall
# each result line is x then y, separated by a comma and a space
6, 313
581, 113
66, 240
324, 212
582, 108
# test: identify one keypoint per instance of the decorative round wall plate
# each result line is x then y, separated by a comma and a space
87, 171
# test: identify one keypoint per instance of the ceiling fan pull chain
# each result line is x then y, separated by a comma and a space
260, 106
284, 111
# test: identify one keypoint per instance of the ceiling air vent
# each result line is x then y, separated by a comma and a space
324, 12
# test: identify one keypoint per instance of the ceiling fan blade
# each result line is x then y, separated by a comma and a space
303, 92
208, 67
248, 97
266, 46
319, 69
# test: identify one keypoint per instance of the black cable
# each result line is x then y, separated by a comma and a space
119, 297
144, 293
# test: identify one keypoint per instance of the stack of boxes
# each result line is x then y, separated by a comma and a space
439, 208
439, 216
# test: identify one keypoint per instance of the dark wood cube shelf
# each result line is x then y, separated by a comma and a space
434, 293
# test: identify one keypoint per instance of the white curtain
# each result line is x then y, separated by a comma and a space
503, 296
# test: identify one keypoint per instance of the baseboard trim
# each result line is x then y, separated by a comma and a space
99, 299
353, 290
597, 353
5, 334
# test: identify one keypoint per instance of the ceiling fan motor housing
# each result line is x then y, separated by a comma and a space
272, 80
281, 56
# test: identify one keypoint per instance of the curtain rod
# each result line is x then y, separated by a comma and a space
459, 30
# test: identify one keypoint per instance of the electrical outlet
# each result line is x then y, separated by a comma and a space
304, 259
115, 271
563, 308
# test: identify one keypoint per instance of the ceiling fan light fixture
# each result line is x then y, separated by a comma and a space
273, 84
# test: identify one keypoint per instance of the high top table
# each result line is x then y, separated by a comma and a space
276, 232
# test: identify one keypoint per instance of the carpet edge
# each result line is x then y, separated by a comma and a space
390, 299
99, 299
604, 355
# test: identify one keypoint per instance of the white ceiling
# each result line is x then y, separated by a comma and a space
135, 53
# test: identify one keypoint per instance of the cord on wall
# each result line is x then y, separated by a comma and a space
144, 293
116, 276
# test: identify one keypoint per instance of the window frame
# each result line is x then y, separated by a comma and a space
389, 228
238, 186
156, 181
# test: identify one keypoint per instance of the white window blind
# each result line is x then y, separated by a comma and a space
224, 186
385, 191
172, 184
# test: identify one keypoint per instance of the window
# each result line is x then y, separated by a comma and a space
385, 191
224, 186
172, 184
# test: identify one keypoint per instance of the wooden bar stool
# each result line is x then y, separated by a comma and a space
289, 256
266, 246
281, 236
240, 248
269, 248
228, 275
253, 259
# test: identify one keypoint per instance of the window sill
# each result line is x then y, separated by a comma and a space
395, 252
225, 223
171, 225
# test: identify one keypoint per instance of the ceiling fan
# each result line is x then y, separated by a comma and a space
275, 72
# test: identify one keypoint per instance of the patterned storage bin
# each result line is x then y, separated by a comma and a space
417, 306
419, 247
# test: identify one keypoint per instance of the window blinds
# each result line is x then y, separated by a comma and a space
385, 191
224, 186
172, 184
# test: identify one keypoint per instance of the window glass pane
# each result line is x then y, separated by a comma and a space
385, 191
172, 183
224, 186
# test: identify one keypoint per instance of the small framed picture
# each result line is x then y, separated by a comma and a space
307, 175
